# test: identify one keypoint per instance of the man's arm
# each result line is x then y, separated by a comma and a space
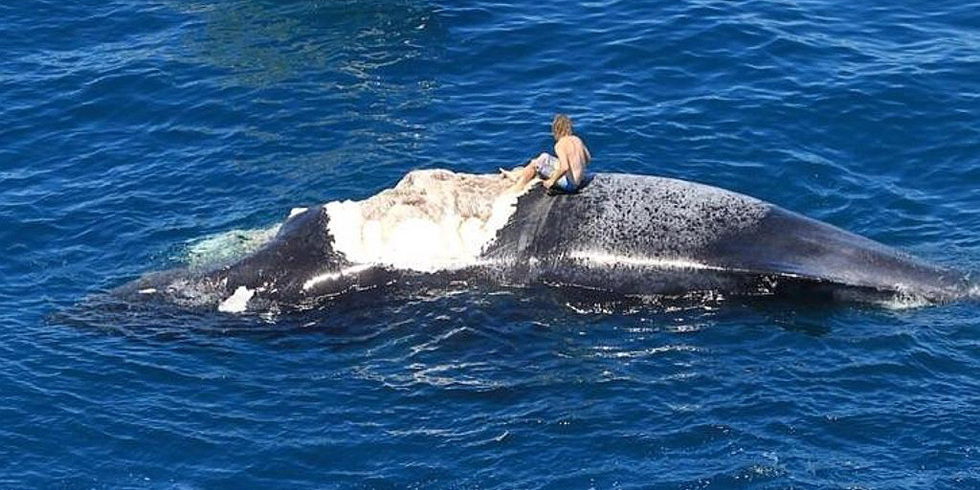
562, 169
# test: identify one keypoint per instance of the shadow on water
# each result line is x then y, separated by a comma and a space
262, 43
363, 316
349, 315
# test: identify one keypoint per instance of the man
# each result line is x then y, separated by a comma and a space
567, 172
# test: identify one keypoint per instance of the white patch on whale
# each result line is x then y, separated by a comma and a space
432, 220
237, 302
653, 262
333, 276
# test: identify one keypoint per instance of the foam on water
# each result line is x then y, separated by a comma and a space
432, 220
905, 300
974, 292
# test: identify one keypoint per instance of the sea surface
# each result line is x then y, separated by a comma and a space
140, 135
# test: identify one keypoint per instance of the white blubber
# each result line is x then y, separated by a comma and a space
432, 220
238, 301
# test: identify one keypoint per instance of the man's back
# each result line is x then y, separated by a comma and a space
572, 150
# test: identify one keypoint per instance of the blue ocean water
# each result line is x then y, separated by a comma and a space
131, 131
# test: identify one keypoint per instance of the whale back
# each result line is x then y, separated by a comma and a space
652, 235
625, 234
798, 246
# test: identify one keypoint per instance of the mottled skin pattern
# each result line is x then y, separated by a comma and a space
622, 233
646, 235
625, 234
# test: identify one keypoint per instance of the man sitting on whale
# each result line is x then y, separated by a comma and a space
567, 172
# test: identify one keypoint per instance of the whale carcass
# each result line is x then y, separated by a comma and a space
623, 234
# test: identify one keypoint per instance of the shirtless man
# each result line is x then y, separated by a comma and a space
573, 157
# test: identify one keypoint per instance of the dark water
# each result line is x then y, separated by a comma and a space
131, 131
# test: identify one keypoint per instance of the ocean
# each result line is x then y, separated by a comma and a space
141, 136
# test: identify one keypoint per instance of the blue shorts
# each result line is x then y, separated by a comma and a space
548, 167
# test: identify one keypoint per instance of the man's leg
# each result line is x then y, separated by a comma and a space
512, 174
527, 174
519, 173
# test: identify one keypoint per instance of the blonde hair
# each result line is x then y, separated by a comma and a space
561, 126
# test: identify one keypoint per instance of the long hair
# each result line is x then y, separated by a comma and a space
561, 126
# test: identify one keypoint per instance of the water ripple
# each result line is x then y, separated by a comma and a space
133, 131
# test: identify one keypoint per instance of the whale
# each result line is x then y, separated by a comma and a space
621, 235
